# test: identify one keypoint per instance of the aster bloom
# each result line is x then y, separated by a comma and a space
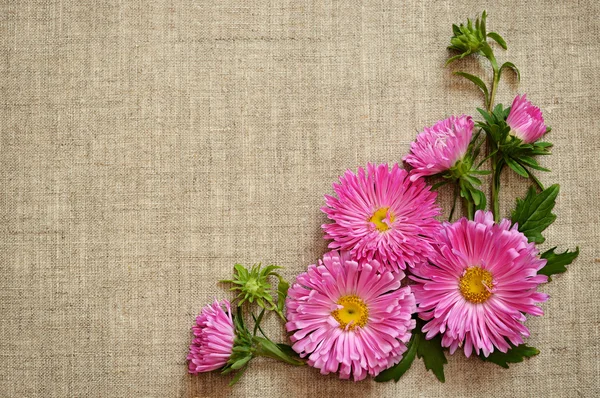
381, 215
349, 320
481, 283
525, 120
440, 147
214, 334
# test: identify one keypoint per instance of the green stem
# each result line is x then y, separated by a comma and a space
495, 82
470, 209
456, 192
496, 166
496, 171
496, 78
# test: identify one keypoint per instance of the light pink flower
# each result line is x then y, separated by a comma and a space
214, 335
526, 120
382, 215
439, 147
480, 284
349, 320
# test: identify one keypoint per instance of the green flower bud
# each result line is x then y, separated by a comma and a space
469, 39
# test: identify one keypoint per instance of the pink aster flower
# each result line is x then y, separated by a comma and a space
481, 282
439, 147
349, 320
381, 215
214, 335
525, 120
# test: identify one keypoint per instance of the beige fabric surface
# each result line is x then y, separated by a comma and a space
147, 146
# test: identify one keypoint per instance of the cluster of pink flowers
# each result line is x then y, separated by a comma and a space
471, 281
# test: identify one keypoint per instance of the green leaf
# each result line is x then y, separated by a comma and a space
287, 349
556, 262
498, 39
433, 355
396, 371
535, 180
534, 212
512, 66
513, 355
439, 184
267, 348
238, 376
258, 320
477, 81
517, 168
531, 162
480, 202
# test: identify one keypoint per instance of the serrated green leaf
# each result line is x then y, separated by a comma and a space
534, 212
396, 371
477, 81
432, 353
556, 262
516, 167
512, 66
513, 355
498, 39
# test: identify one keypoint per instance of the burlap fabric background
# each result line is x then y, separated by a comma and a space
147, 146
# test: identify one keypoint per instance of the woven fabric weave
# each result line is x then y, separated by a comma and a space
147, 146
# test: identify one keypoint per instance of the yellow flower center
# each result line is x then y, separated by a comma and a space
354, 312
380, 215
476, 285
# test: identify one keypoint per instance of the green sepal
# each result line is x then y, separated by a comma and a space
514, 355
534, 213
556, 262
253, 286
396, 371
240, 362
282, 291
469, 39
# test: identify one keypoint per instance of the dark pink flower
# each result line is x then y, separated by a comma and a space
481, 282
347, 319
439, 147
526, 120
382, 215
214, 335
